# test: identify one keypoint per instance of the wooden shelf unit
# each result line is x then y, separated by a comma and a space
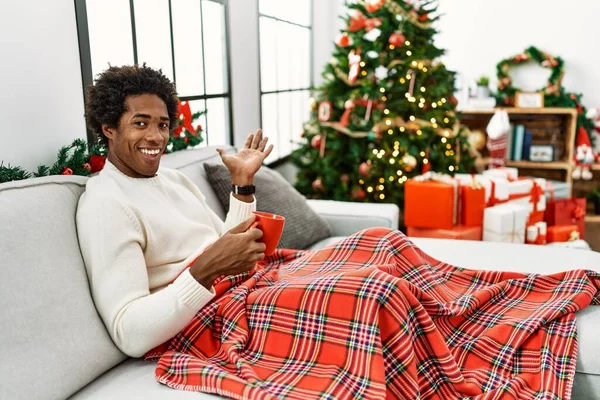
592, 218
566, 118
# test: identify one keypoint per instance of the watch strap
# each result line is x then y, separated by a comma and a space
243, 190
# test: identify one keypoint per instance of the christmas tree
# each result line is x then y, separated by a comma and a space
386, 110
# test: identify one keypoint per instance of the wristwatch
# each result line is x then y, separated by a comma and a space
243, 190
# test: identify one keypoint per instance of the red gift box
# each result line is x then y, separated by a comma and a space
459, 232
562, 233
472, 205
431, 201
567, 212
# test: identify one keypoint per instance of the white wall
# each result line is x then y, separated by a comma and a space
478, 34
41, 101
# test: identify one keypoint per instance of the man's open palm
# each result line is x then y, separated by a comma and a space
249, 159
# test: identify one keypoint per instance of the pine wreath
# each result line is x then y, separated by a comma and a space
506, 89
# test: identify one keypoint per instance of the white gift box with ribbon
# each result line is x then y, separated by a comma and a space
505, 223
522, 192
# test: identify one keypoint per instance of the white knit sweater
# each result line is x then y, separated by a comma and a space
137, 237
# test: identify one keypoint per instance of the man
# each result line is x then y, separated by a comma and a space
152, 246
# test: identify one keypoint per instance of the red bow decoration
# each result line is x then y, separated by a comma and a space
184, 110
97, 163
536, 193
358, 22
578, 213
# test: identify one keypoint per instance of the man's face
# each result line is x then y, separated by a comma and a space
135, 147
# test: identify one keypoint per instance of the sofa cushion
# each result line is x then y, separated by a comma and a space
303, 226
52, 340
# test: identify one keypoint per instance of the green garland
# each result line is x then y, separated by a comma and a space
554, 93
75, 159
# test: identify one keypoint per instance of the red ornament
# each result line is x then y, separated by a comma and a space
358, 194
97, 163
67, 171
453, 100
344, 178
324, 111
186, 140
343, 40
87, 166
315, 142
372, 23
423, 17
374, 5
357, 21
317, 184
364, 170
397, 39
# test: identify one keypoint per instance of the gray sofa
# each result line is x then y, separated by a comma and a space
53, 344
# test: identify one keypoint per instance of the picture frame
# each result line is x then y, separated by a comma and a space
541, 153
529, 100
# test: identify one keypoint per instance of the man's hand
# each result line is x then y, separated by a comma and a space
246, 163
233, 253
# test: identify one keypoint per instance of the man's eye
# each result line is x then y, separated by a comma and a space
140, 123
164, 125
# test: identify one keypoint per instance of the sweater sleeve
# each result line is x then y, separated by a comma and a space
239, 211
112, 240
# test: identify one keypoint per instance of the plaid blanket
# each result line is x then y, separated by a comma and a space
374, 317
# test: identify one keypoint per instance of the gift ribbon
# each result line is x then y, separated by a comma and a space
535, 195
493, 200
550, 188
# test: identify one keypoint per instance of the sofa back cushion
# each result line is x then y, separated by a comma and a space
52, 340
190, 162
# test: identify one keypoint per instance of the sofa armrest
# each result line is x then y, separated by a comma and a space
346, 218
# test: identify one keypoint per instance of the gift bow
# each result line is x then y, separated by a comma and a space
578, 213
536, 193
184, 110
435, 176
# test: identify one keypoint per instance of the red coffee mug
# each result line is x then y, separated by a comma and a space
272, 227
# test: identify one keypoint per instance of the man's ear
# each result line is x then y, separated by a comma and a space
108, 132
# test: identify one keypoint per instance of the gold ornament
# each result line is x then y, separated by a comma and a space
409, 162
477, 140
312, 104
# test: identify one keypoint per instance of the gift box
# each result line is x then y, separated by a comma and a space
528, 192
562, 233
472, 204
505, 223
431, 201
536, 233
510, 174
459, 232
557, 190
567, 212
496, 189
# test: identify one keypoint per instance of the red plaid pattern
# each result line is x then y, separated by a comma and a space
374, 317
